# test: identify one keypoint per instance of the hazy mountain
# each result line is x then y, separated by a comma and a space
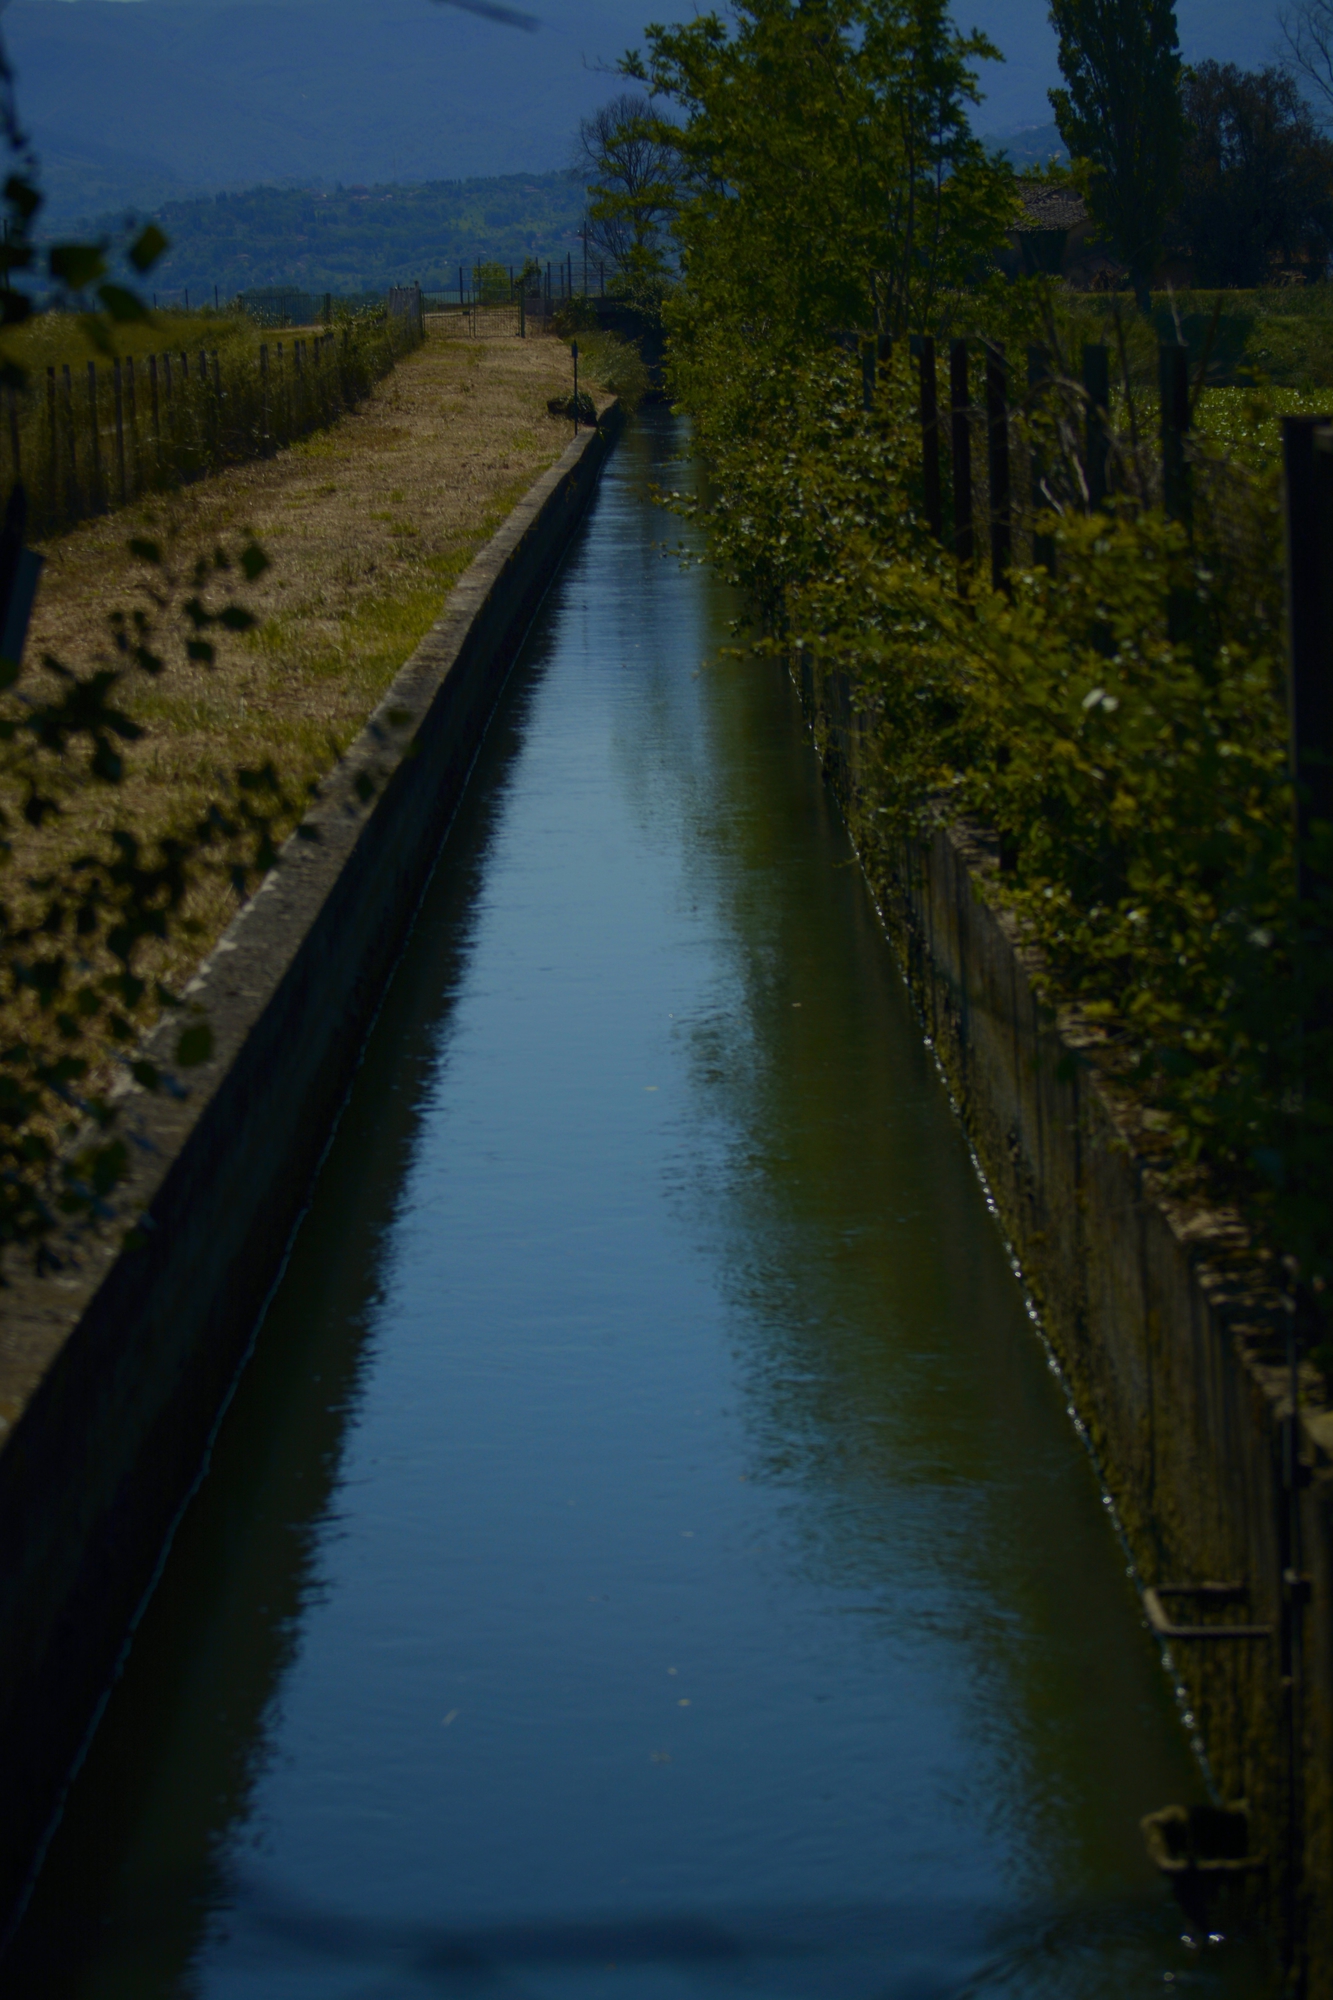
1030, 145
133, 99
366, 238
134, 102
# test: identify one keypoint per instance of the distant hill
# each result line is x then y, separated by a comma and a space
1029, 145
136, 102
364, 238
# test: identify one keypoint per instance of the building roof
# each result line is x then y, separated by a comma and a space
1051, 208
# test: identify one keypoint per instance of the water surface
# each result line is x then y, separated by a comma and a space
647, 1554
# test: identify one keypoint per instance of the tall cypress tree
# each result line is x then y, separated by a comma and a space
1121, 112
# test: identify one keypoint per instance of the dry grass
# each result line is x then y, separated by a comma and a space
367, 525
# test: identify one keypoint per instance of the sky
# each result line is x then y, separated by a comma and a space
133, 102
1240, 31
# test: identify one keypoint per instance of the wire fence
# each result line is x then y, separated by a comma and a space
91, 438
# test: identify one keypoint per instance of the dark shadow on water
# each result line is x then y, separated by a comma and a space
245, 1564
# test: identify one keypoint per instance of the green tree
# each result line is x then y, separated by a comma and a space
829, 178
1121, 115
1257, 186
630, 154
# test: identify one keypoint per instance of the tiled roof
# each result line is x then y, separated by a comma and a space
1052, 208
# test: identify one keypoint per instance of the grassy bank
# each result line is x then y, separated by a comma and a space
181, 397
367, 524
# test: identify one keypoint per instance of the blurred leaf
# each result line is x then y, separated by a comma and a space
77, 265
148, 246
194, 1045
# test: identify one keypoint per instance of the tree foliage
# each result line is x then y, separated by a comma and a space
829, 175
630, 154
1257, 184
1120, 113
1307, 29
1116, 723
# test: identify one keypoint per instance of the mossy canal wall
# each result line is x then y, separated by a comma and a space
114, 1372
1173, 1338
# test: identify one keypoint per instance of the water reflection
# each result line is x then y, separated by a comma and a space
140, 1862
646, 1554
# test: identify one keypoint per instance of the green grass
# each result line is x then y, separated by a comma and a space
1247, 423
57, 337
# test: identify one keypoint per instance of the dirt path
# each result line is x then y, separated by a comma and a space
367, 525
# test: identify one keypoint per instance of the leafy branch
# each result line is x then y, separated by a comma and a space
78, 935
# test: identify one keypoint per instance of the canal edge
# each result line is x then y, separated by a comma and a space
114, 1369
1169, 1333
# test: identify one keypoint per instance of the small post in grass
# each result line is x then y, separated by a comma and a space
68, 386
1097, 392
574, 350
54, 468
960, 415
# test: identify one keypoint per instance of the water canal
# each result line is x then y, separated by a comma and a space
647, 1554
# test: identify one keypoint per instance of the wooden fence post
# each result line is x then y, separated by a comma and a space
1043, 546
96, 494
132, 407
68, 387
1097, 390
924, 349
263, 396
53, 475
152, 397
1307, 464
1174, 391
120, 432
961, 433
997, 465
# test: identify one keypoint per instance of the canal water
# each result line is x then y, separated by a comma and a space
648, 1556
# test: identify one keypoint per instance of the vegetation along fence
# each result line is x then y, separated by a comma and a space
92, 437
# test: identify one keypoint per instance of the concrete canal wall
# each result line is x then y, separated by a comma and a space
113, 1372
1173, 1340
